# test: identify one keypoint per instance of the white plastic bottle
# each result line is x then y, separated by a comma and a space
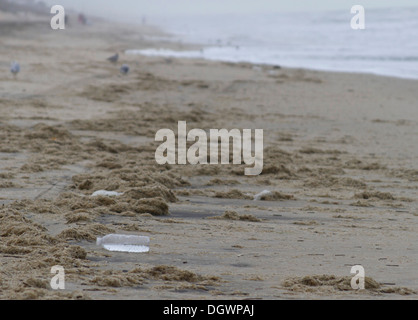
124, 243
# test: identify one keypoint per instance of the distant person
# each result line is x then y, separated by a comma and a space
82, 19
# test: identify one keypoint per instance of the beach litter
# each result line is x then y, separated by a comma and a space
267, 195
258, 196
105, 193
124, 243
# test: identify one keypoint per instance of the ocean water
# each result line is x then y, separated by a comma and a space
314, 40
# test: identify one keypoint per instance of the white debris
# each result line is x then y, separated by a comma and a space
124, 243
106, 193
262, 193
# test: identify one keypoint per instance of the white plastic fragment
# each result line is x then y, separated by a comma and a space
106, 193
124, 243
262, 193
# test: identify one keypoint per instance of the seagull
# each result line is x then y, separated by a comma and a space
124, 69
14, 68
114, 58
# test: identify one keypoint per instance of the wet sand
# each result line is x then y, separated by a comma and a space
339, 151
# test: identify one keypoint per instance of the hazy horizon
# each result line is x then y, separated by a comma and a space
130, 9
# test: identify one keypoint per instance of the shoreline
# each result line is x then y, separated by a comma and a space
339, 161
177, 54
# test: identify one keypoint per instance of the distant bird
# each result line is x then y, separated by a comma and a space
14, 68
114, 58
124, 69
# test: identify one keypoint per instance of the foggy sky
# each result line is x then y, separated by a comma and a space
135, 8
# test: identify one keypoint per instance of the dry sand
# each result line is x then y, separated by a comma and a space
340, 158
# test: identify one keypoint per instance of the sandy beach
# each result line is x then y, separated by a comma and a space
339, 161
